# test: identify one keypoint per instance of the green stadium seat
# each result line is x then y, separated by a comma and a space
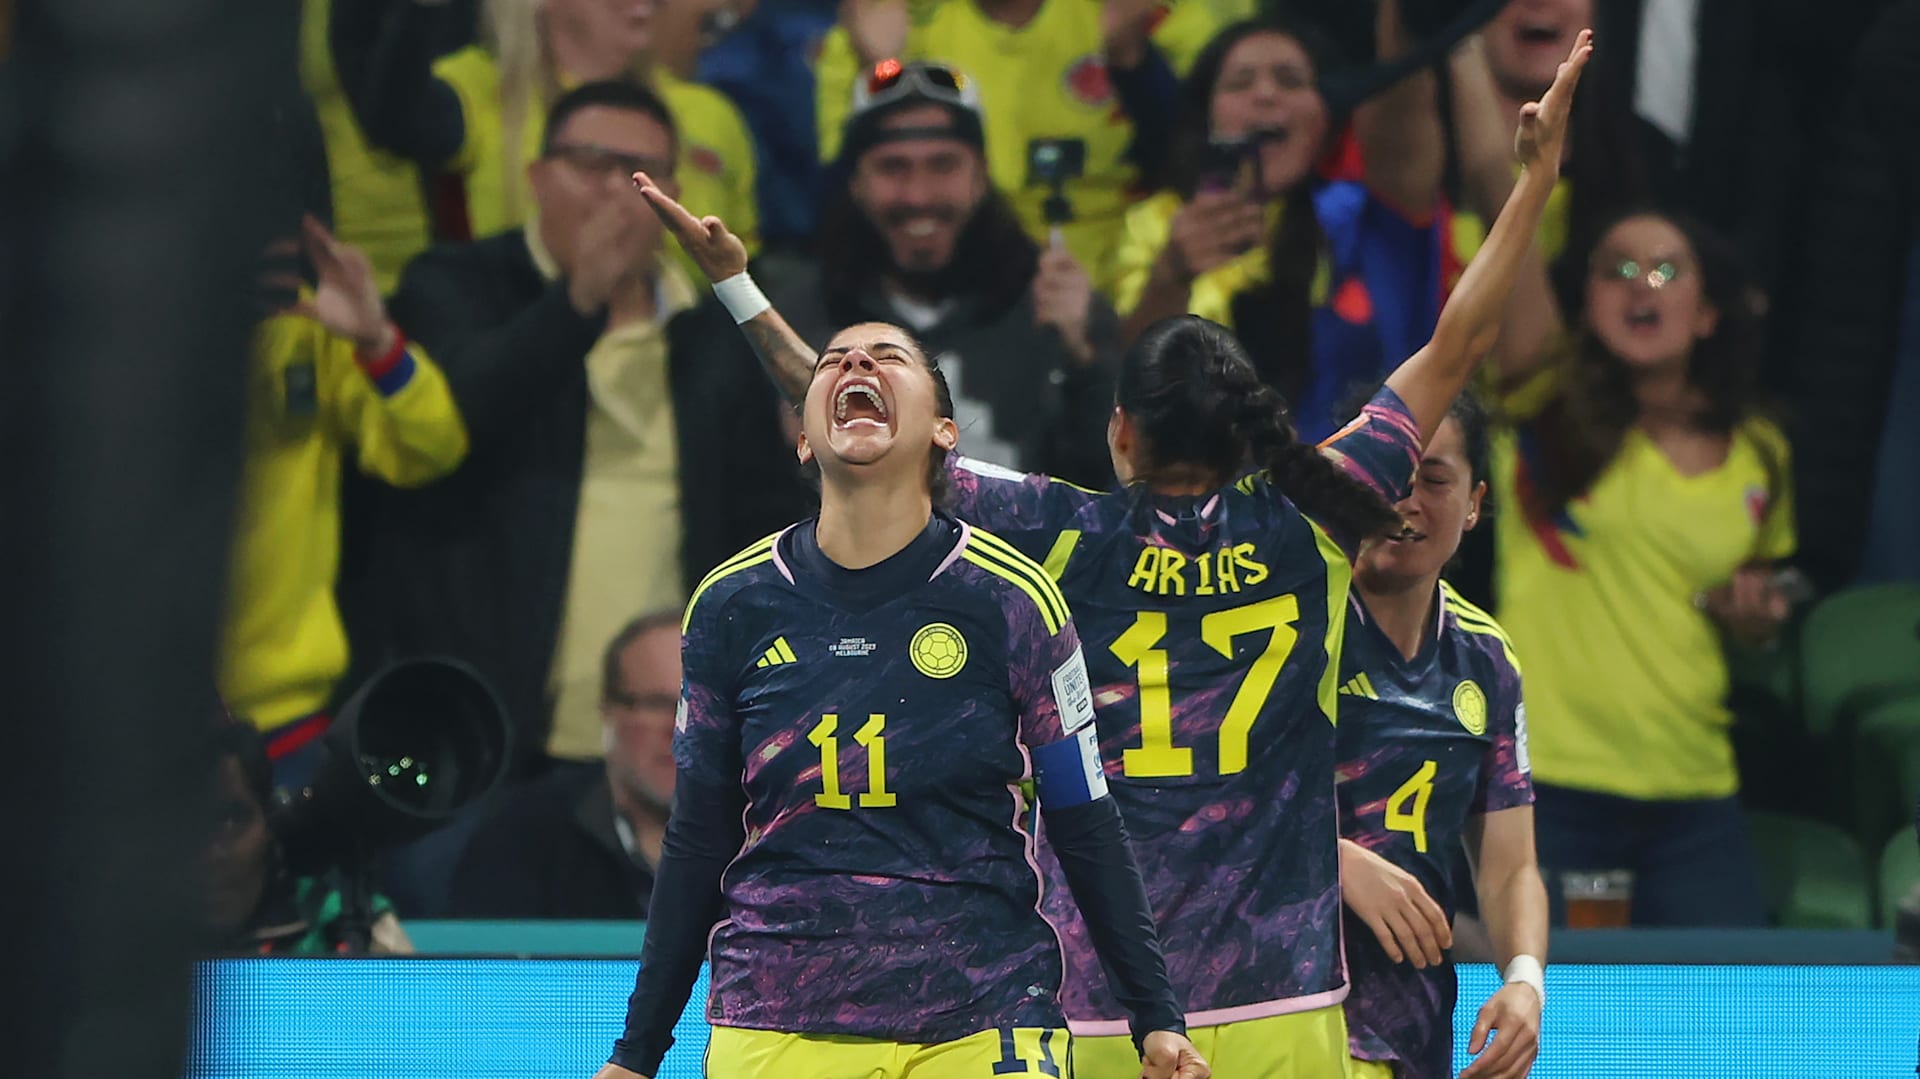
1899, 873
1886, 767
1856, 648
1814, 874
1768, 674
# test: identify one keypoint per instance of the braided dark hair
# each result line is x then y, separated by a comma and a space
1189, 388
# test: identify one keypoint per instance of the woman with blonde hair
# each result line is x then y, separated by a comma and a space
478, 113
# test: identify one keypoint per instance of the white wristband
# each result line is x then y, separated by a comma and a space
1525, 968
741, 297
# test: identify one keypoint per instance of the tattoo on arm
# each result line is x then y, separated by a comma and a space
787, 359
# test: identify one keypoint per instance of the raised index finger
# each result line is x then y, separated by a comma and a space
675, 216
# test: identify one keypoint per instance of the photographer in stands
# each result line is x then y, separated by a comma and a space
254, 905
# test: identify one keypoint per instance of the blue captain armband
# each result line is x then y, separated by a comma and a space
1068, 772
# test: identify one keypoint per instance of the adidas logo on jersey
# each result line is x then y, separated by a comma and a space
779, 653
1359, 686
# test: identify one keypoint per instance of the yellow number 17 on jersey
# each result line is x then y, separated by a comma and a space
1156, 756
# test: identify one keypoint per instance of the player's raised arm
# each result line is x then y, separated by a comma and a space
722, 256
1470, 322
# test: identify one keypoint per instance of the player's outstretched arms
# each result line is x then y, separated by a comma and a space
1470, 322
722, 256
1410, 925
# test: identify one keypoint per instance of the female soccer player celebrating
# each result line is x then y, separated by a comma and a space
864, 694
1432, 747
1216, 609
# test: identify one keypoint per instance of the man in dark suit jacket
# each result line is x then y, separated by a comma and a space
623, 443
582, 841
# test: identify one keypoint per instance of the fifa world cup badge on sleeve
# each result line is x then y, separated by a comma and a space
680, 714
1520, 758
1073, 693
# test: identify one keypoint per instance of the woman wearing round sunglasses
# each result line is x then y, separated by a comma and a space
1648, 500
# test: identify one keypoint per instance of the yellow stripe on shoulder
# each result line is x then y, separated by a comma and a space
1460, 603
1023, 581
1062, 552
1048, 613
754, 554
1012, 555
1474, 620
994, 547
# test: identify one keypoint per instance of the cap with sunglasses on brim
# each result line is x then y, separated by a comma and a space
891, 86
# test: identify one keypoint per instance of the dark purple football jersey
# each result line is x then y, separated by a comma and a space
1424, 744
1213, 626
887, 887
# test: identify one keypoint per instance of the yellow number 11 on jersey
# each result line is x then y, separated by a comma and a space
831, 796
1156, 756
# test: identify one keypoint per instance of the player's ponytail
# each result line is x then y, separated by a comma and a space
1193, 395
1321, 489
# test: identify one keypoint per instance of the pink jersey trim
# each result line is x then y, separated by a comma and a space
714, 933
966, 533
1029, 846
1107, 1028
778, 562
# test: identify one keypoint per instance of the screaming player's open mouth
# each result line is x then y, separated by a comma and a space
858, 404
1407, 534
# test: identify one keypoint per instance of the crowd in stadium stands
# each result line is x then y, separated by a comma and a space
497, 414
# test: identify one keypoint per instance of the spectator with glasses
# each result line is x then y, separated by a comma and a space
584, 841
616, 455
1648, 500
477, 113
914, 233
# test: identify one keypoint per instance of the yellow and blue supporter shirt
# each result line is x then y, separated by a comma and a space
1376, 293
310, 402
1626, 676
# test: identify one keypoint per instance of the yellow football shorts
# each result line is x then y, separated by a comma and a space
737, 1053
1303, 1045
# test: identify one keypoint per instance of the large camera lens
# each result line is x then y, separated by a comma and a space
415, 744
429, 741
